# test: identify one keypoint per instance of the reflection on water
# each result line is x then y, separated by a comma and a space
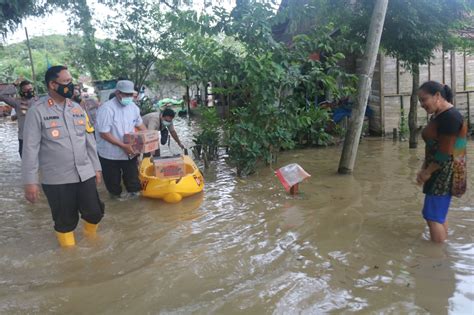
347, 243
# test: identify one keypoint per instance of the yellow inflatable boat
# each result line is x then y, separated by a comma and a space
188, 182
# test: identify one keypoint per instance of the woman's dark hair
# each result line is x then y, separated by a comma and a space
168, 112
52, 73
433, 87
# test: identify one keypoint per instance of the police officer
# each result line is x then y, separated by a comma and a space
21, 105
59, 144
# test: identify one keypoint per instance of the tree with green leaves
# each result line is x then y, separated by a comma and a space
51, 49
12, 13
413, 30
256, 77
140, 38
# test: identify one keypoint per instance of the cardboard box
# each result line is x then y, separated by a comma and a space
145, 147
169, 167
141, 137
143, 141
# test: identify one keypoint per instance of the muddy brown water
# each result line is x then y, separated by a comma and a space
346, 244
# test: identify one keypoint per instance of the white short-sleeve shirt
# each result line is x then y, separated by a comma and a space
117, 119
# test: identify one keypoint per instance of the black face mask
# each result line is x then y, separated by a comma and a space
28, 94
65, 90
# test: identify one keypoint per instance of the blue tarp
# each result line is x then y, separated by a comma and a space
339, 113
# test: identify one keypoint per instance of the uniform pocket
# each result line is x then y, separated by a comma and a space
80, 126
54, 130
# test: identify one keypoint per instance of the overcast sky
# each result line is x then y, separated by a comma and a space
57, 23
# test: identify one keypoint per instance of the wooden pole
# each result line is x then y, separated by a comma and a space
468, 111
444, 67
464, 71
31, 60
465, 89
398, 76
413, 114
382, 92
354, 130
453, 75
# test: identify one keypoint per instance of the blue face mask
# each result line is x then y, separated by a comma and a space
127, 101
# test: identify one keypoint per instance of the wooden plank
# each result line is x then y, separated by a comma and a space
437, 67
392, 114
424, 73
406, 79
462, 105
460, 80
469, 72
390, 75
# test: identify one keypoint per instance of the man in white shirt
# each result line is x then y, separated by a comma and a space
115, 118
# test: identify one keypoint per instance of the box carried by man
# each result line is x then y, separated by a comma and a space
142, 141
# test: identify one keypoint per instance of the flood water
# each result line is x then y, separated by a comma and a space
346, 244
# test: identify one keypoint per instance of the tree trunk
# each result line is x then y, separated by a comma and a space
354, 130
412, 116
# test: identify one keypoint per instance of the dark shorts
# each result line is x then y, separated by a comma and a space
436, 208
67, 201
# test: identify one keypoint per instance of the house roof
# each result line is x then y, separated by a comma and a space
467, 33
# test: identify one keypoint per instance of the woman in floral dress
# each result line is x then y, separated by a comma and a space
443, 173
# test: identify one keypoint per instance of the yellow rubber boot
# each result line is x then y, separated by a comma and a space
66, 239
90, 229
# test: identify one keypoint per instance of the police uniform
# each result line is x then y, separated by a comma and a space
59, 144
